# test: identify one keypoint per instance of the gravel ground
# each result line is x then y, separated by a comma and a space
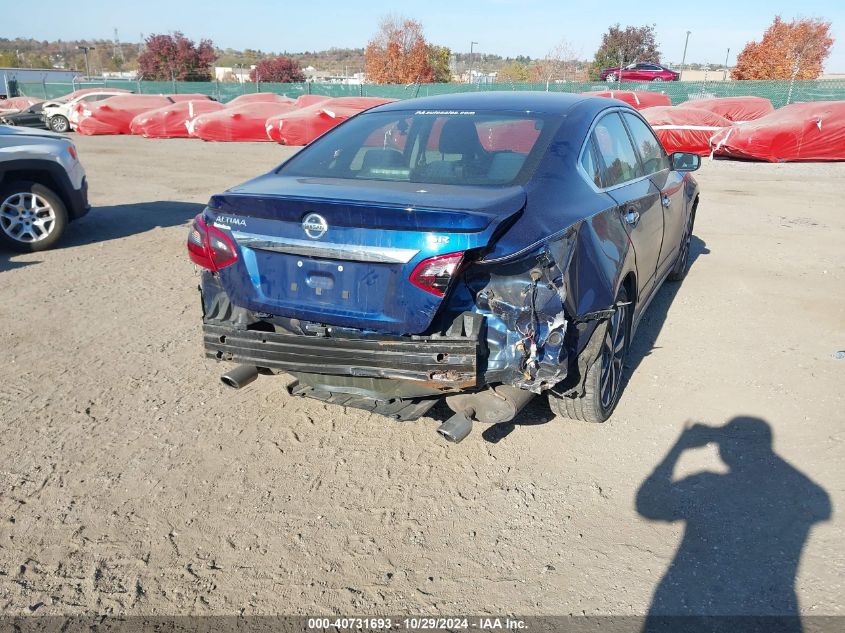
133, 482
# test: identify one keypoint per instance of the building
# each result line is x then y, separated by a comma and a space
9, 77
239, 74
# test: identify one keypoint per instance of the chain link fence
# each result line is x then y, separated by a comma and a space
779, 93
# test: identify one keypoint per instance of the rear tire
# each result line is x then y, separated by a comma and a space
658, 79
59, 123
681, 267
603, 383
611, 78
32, 216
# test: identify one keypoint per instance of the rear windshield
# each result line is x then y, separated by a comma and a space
426, 146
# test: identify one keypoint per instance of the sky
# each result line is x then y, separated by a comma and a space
504, 27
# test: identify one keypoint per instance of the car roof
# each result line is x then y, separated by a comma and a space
507, 100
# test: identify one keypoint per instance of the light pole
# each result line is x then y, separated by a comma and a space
471, 59
85, 50
684, 58
725, 72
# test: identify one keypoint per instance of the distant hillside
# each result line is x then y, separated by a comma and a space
105, 55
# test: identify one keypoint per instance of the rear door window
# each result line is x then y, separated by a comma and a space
620, 163
590, 165
651, 151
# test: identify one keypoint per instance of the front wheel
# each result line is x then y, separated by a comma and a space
658, 79
32, 216
610, 78
603, 383
59, 123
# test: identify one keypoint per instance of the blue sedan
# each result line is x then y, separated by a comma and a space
477, 248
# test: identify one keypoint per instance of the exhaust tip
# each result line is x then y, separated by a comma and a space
240, 376
456, 428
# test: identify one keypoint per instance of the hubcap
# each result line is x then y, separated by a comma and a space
27, 217
613, 355
59, 124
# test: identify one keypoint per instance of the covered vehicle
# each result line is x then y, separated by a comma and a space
736, 109
113, 115
258, 97
18, 104
428, 249
684, 129
812, 131
33, 116
189, 96
303, 125
59, 112
172, 120
244, 122
640, 99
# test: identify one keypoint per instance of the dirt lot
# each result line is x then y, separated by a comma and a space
132, 481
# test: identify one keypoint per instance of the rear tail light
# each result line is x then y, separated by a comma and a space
208, 247
435, 273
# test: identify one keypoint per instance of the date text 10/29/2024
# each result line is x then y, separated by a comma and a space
421, 623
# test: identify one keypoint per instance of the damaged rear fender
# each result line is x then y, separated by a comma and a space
544, 304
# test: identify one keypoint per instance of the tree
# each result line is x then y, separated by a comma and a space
167, 57
398, 54
631, 44
514, 72
281, 70
9, 59
559, 63
438, 59
794, 50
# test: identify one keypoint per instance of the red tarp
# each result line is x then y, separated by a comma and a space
113, 115
172, 120
258, 97
684, 129
84, 91
195, 96
798, 132
733, 108
638, 98
16, 104
243, 122
302, 126
303, 101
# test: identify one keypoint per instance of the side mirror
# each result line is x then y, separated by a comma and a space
684, 161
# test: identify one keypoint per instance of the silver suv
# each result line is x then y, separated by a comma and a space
42, 188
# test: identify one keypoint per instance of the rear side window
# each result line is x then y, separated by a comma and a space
651, 151
589, 164
617, 154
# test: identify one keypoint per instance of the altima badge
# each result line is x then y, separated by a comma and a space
315, 226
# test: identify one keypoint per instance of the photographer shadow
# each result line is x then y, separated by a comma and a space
745, 531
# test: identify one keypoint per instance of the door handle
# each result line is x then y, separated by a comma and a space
666, 201
632, 217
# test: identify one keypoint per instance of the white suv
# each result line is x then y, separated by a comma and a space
57, 114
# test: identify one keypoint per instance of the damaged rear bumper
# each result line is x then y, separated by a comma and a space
444, 362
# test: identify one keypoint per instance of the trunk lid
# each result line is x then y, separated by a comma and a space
341, 252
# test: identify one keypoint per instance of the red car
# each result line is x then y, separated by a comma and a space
642, 71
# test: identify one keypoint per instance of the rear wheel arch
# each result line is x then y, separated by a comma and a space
629, 283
